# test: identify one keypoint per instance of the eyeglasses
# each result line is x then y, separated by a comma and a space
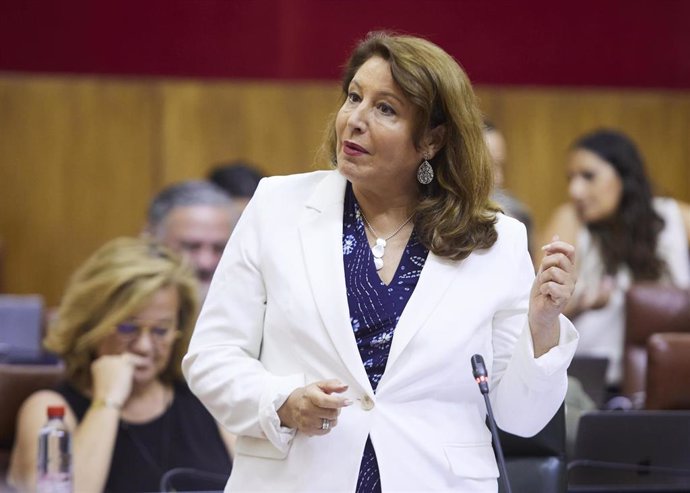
128, 332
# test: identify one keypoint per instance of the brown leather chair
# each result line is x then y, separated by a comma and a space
649, 309
668, 371
17, 382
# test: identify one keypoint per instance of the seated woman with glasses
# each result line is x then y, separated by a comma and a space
122, 329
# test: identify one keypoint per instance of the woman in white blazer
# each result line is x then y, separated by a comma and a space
336, 338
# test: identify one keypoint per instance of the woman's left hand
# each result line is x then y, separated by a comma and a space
551, 291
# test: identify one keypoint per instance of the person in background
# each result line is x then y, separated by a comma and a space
123, 326
496, 144
336, 338
239, 179
622, 234
194, 218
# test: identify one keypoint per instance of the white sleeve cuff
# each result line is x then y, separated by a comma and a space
539, 373
275, 395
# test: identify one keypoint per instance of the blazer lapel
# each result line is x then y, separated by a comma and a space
436, 278
321, 230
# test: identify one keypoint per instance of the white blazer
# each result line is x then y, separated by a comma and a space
276, 318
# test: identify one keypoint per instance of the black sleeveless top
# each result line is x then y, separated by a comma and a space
184, 436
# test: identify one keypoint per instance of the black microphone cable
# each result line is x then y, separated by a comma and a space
482, 378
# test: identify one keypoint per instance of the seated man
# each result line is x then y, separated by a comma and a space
194, 218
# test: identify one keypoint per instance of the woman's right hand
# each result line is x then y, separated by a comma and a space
307, 407
112, 377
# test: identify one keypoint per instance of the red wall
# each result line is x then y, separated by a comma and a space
632, 43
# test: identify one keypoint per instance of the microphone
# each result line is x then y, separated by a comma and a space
482, 378
480, 373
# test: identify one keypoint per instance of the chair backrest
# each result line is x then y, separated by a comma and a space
537, 464
21, 324
591, 373
668, 371
650, 308
630, 450
17, 382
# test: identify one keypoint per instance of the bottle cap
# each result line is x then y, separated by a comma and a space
56, 412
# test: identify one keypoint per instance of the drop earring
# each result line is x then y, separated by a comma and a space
425, 173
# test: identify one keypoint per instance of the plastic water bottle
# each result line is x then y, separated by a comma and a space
54, 454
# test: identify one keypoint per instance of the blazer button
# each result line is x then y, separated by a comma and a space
367, 403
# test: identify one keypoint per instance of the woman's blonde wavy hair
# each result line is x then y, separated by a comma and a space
114, 283
455, 215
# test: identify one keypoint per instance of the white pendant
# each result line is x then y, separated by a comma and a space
378, 251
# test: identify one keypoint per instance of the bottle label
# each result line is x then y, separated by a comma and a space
55, 482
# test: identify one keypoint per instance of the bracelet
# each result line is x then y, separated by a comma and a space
100, 402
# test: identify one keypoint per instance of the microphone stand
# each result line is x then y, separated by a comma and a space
481, 376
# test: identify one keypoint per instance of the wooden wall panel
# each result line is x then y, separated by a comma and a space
81, 157
75, 170
279, 127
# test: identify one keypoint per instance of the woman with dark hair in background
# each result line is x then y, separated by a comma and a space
622, 233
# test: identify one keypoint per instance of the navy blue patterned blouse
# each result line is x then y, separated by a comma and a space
375, 309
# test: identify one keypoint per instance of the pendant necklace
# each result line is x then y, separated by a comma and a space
379, 248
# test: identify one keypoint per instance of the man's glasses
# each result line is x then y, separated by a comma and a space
128, 332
